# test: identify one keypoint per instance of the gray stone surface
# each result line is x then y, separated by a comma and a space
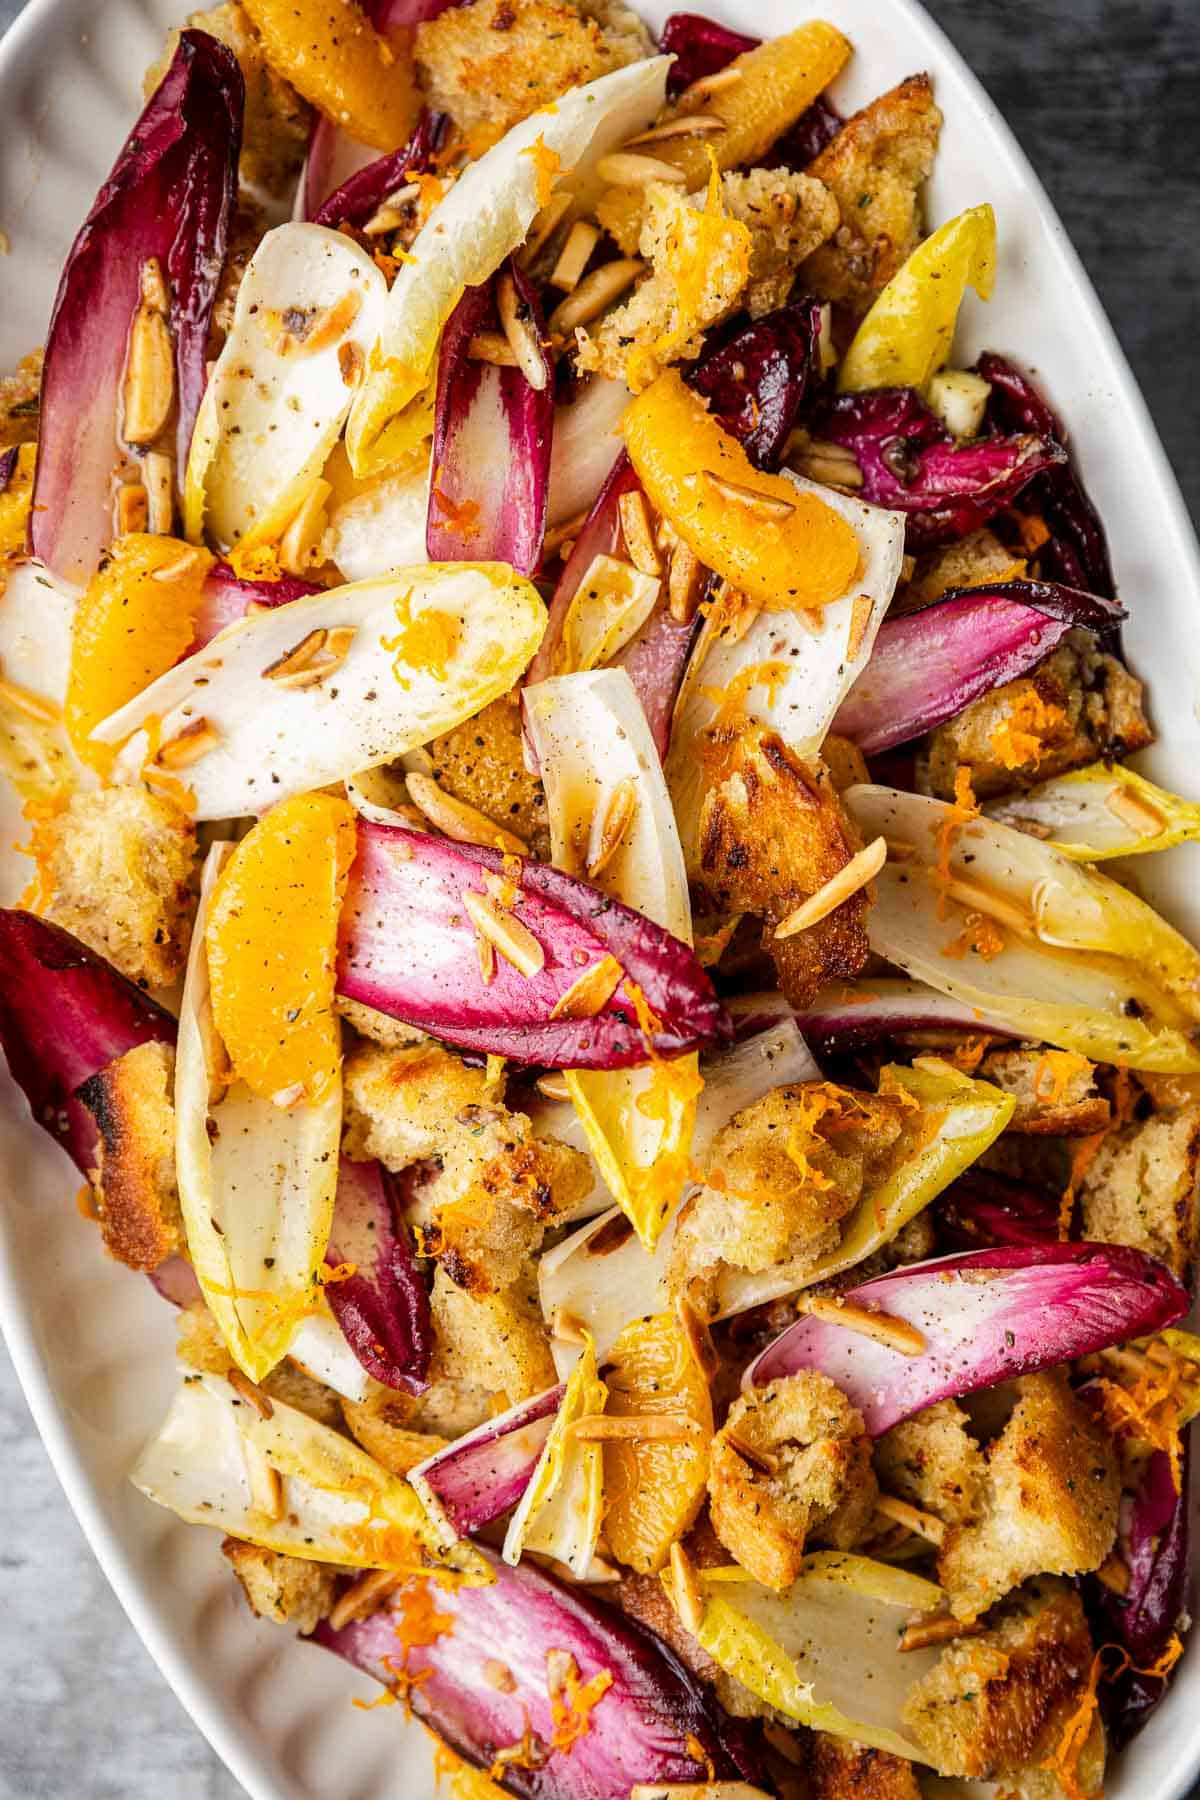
1102, 94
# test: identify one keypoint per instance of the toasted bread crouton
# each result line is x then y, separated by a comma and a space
117, 866
933, 1462
969, 562
132, 1102
287, 1589
772, 831
875, 166
997, 1705
792, 1462
276, 121
789, 216
1141, 1188
20, 402
781, 1177
644, 1598
496, 1339
493, 62
1077, 706
379, 1027
392, 1426
199, 1345
482, 762
1055, 1091
838, 1770
402, 1106
700, 264
293, 1386
1047, 1505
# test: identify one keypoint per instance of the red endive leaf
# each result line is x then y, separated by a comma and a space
226, 598
383, 1308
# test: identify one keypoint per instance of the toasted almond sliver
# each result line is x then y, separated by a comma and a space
662, 1428
860, 618
594, 294
762, 1460
591, 993
685, 584
686, 125
554, 1086
364, 1596
1133, 811
386, 218
699, 1337
149, 387
252, 1395
317, 655
942, 1629
188, 746
159, 477
575, 255
567, 1328
765, 506
710, 84
457, 820
266, 1484
492, 347
181, 565
519, 330
499, 1676
883, 1327
298, 547
486, 956
921, 1524
132, 508
833, 465
981, 899
514, 941
610, 826
837, 890
626, 168
685, 1589
639, 540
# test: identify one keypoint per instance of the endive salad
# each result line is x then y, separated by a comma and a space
572, 752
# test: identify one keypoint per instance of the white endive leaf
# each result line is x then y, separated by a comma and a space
559, 1512
256, 1181
806, 663
1104, 810
319, 1347
420, 651
485, 216
587, 442
36, 610
382, 527
309, 311
282, 1480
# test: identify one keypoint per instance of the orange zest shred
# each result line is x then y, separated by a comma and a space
962, 810
255, 562
698, 1753
43, 841
731, 701
1018, 739
425, 644
571, 1706
1063, 1762
547, 164
980, 936
1054, 1073
1156, 1403
527, 1753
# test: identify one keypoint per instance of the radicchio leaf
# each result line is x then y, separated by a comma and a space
654, 1723
926, 666
816, 127
1077, 552
910, 462
983, 1209
364, 192
170, 196
757, 380
492, 437
408, 948
986, 1317
700, 47
8, 464
656, 661
841, 1019
481, 1476
65, 1014
226, 598
383, 1308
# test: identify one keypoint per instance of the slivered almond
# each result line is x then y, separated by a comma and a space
981, 899
685, 1590
837, 890
487, 960
132, 508
266, 1485
594, 293
179, 566
518, 329
316, 655
24, 700
364, 1596
661, 1428
626, 168
389, 215
639, 540
1133, 811
610, 826
764, 506
544, 226
830, 464
921, 1524
298, 550
591, 993
710, 84
465, 824
943, 1628
699, 1337
159, 477
883, 1327
514, 941
860, 618
685, 584
148, 392
566, 1327
492, 347
575, 255
498, 1675
188, 746
554, 1086
687, 125
762, 1460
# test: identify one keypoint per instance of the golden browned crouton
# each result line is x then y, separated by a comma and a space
875, 167
970, 561
700, 264
132, 1102
402, 1106
932, 1461
494, 62
199, 1345
117, 867
1055, 1091
293, 1386
838, 1770
390, 1425
788, 216
1141, 1188
497, 1340
20, 400
287, 1589
1078, 705
644, 1598
792, 1461
772, 831
1048, 1503
998, 1705
380, 1028
482, 762
498, 1190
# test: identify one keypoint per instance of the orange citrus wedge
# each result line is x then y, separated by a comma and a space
653, 1487
14, 503
777, 542
272, 947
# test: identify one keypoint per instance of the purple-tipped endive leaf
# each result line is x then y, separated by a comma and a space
409, 948
656, 661
479, 1477
654, 1722
364, 192
927, 666
982, 1210
756, 381
169, 198
700, 47
383, 1308
843, 1018
492, 434
226, 598
65, 1014
985, 1317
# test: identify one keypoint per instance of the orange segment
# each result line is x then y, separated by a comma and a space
14, 503
653, 1487
132, 625
272, 944
781, 545
332, 54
